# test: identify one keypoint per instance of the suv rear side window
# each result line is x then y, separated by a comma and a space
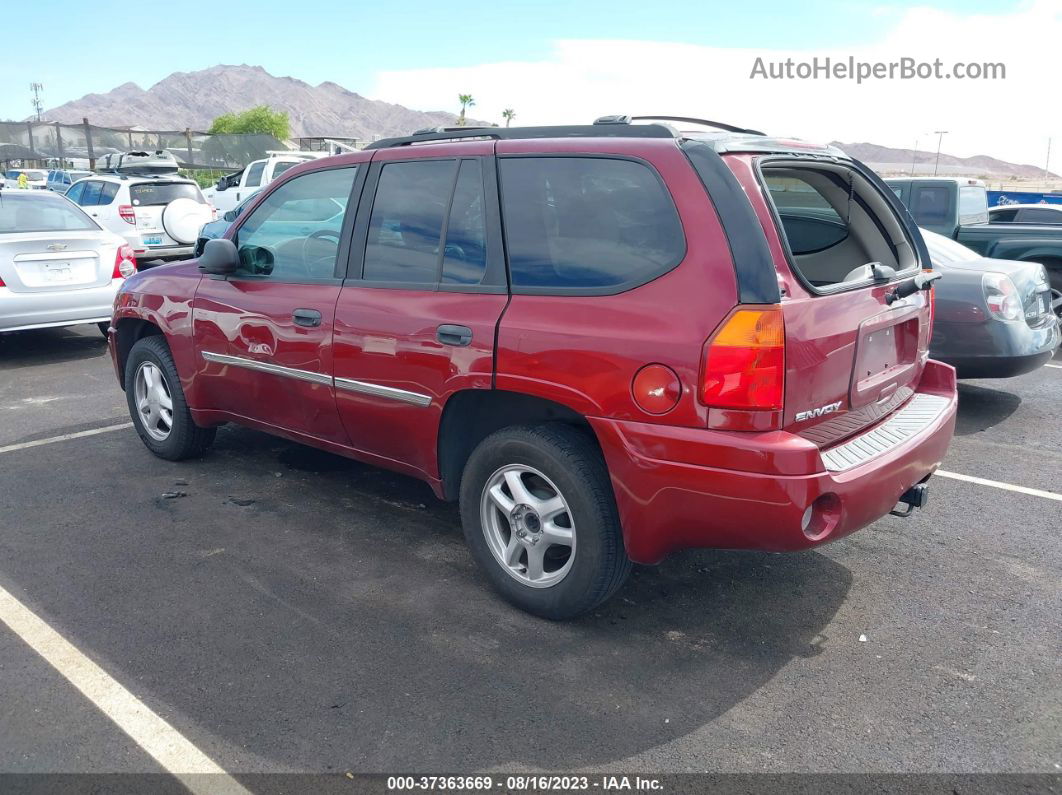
150, 194
587, 223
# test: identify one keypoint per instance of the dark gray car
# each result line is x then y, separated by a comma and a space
994, 318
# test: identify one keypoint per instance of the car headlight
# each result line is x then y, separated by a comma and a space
1002, 296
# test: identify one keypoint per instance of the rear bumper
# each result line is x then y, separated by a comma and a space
21, 311
689, 487
996, 349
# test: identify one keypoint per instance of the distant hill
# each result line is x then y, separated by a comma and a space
886, 160
195, 99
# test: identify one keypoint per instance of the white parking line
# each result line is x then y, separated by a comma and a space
52, 440
158, 738
1047, 495
1056, 366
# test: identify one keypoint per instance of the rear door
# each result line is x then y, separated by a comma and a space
264, 335
851, 357
417, 315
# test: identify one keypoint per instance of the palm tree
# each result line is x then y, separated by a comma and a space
509, 115
466, 102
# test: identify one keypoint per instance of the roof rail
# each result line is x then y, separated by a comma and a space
599, 129
706, 122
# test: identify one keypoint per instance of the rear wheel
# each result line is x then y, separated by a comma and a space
157, 404
540, 518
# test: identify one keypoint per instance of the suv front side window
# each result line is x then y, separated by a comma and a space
294, 233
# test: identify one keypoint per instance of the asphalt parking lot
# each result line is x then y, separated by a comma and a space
294, 611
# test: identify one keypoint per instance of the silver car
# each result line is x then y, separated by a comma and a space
58, 267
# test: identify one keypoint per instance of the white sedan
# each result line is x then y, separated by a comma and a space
58, 267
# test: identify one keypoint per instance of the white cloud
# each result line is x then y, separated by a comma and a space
583, 79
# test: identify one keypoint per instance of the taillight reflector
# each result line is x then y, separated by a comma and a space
127, 214
124, 262
744, 363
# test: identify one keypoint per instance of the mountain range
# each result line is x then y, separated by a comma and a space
194, 99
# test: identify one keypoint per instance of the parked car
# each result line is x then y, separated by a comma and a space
651, 361
37, 178
1026, 214
994, 318
159, 217
60, 180
58, 267
234, 188
218, 228
958, 208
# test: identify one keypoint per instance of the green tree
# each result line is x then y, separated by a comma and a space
466, 102
261, 120
509, 115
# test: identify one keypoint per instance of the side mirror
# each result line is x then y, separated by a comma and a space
230, 216
222, 184
219, 257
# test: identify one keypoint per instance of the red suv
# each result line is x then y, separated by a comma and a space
607, 341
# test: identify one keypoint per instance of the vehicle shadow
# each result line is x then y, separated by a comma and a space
981, 408
334, 620
50, 346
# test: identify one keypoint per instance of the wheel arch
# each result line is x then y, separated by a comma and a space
471, 415
128, 331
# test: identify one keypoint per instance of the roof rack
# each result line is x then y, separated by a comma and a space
706, 122
604, 127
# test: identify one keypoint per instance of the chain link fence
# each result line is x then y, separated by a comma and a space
44, 144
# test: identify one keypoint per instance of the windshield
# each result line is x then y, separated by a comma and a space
945, 250
160, 193
20, 213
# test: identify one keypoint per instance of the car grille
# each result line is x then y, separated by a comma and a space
906, 423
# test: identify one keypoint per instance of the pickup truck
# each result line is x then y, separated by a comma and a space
233, 188
958, 208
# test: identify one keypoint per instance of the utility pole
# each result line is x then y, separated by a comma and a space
37, 88
1047, 165
940, 137
914, 156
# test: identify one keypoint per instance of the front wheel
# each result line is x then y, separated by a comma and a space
157, 404
540, 518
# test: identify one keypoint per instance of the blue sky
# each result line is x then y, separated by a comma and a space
348, 42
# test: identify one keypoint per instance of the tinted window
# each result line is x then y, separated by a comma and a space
931, 206
1037, 216
159, 193
254, 174
91, 196
293, 235
1002, 216
586, 223
23, 214
74, 194
280, 168
810, 222
406, 222
465, 252
109, 191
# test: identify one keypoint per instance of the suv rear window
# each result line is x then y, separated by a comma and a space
835, 223
587, 223
149, 194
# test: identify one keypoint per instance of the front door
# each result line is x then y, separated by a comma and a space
263, 336
417, 315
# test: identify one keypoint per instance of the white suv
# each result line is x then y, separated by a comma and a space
159, 216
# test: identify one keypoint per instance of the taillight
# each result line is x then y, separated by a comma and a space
2, 283
744, 363
124, 262
1001, 296
127, 214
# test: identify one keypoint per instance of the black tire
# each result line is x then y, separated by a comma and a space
103, 328
185, 438
569, 458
